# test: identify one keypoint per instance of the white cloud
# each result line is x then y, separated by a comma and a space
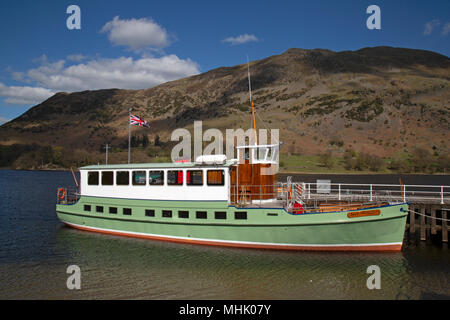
136, 34
429, 26
76, 57
446, 29
78, 72
123, 73
24, 95
243, 38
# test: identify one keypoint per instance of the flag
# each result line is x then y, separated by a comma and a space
138, 121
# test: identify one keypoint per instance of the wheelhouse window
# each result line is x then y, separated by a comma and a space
175, 177
194, 177
107, 178
216, 178
156, 178
122, 178
93, 178
139, 178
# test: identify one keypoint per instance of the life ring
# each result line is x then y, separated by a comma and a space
61, 193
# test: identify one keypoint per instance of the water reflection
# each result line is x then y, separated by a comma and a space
120, 267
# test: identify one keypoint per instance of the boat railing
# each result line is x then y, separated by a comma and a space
392, 193
67, 195
287, 193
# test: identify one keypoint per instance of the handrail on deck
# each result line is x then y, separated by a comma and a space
67, 195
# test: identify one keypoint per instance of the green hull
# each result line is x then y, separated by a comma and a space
261, 228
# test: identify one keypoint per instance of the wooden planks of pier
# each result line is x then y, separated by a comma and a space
428, 220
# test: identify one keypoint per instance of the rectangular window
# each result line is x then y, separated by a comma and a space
194, 177
126, 211
167, 214
122, 178
87, 207
139, 178
220, 215
149, 213
112, 210
215, 178
240, 215
175, 177
156, 178
93, 178
107, 178
201, 214
183, 214
98, 209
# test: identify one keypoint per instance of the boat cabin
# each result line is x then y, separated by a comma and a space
251, 177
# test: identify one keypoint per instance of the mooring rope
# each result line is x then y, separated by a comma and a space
421, 214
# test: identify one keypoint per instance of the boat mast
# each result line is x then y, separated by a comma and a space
251, 101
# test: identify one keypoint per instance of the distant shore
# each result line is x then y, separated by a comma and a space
281, 172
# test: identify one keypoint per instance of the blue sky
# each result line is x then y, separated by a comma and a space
138, 44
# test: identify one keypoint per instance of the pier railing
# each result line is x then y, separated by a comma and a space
67, 195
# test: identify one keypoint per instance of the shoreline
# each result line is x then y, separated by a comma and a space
285, 173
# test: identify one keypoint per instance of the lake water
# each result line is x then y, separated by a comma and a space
36, 249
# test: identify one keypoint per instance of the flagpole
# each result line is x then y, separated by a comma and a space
129, 133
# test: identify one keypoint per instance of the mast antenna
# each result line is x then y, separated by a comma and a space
251, 101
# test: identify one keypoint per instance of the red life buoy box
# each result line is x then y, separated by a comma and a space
298, 208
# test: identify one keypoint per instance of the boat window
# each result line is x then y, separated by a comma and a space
167, 214
93, 178
149, 213
201, 214
175, 177
156, 178
87, 207
122, 178
247, 154
99, 209
139, 178
107, 178
112, 210
240, 215
183, 214
215, 178
126, 211
194, 177
220, 215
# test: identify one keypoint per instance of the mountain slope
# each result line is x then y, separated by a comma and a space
380, 100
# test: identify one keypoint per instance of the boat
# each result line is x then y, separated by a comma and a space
225, 202
218, 201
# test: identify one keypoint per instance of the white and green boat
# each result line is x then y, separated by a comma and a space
223, 202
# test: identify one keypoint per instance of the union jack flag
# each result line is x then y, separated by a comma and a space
138, 121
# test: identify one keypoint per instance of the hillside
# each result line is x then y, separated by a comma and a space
379, 101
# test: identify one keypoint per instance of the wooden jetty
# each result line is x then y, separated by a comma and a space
428, 219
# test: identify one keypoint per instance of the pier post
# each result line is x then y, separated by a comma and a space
433, 220
422, 224
412, 220
444, 226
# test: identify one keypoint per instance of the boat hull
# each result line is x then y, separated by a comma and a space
266, 228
